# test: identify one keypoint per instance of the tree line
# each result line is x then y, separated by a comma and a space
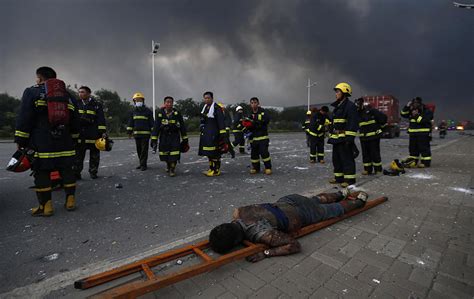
117, 111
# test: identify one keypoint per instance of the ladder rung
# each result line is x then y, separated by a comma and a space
202, 254
148, 271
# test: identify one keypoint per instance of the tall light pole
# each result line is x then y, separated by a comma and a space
154, 51
309, 90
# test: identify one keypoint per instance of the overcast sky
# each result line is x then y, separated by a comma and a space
245, 48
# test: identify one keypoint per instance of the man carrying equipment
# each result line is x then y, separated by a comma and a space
140, 125
273, 223
237, 129
259, 139
92, 120
169, 129
48, 124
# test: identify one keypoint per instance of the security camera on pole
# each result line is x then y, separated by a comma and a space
309, 90
154, 51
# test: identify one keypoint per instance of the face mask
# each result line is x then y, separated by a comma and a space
138, 104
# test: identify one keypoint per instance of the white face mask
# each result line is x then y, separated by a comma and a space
138, 104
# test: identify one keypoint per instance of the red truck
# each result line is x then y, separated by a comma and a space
389, 105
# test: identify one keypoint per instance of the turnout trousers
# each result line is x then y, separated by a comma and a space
344, 164
142, 150
259, 148
94, 158
239, 141
316, 148
371, 155
43, 183
419, 147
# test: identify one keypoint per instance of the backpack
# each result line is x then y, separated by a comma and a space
57, 99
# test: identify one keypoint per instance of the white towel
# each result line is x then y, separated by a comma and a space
210, 114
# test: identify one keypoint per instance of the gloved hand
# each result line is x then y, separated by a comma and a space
154, 143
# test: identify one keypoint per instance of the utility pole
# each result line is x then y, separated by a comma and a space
154, 51
309, 91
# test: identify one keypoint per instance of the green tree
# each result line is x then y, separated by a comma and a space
9, 107
188, 107
116, 110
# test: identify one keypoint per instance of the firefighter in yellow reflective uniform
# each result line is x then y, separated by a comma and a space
259, 139
344, 126
316, 130
140, 126
419, 130
92, 120
169, 129
371, 122
52, 141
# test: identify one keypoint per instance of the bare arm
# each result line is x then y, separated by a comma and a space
280, 244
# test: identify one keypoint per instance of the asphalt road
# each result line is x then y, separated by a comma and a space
151, 209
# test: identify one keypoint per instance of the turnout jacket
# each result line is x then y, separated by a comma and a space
236, 124
34, 131
92, 120
212, 131
420, 124
260, 125
169, 129
141, 122
345, 122
317, 123
371, 123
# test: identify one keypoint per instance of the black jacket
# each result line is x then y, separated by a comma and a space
212, 131
371, 122
34, 131
316, 127
237, 125
260, 125
141, 122
92, 120
345, 122
420, 124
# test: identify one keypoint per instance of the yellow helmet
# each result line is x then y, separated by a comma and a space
138, 95
100, 144
221, 105
396, 165
308, 112
344, 87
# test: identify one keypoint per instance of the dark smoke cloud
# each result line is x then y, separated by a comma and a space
244, 48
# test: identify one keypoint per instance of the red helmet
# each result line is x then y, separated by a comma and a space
21, 160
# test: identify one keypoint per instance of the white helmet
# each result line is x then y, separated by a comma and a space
239, 108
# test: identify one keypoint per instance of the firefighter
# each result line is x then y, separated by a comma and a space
92, 120
419, 130
237, 130
213, 134
305, 126
140, 126
316, 130
228, 124
48, 123
259, 139
371, 123
169, 128
344, 128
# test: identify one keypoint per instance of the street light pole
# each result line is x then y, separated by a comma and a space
154, 51
309, 90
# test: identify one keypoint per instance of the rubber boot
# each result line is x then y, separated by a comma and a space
344, 184
210, 171
217, 168
312, 161
172, 168
267, 171
334, 181
70, 204
45, 210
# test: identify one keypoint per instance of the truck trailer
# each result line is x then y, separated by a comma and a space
389, 105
